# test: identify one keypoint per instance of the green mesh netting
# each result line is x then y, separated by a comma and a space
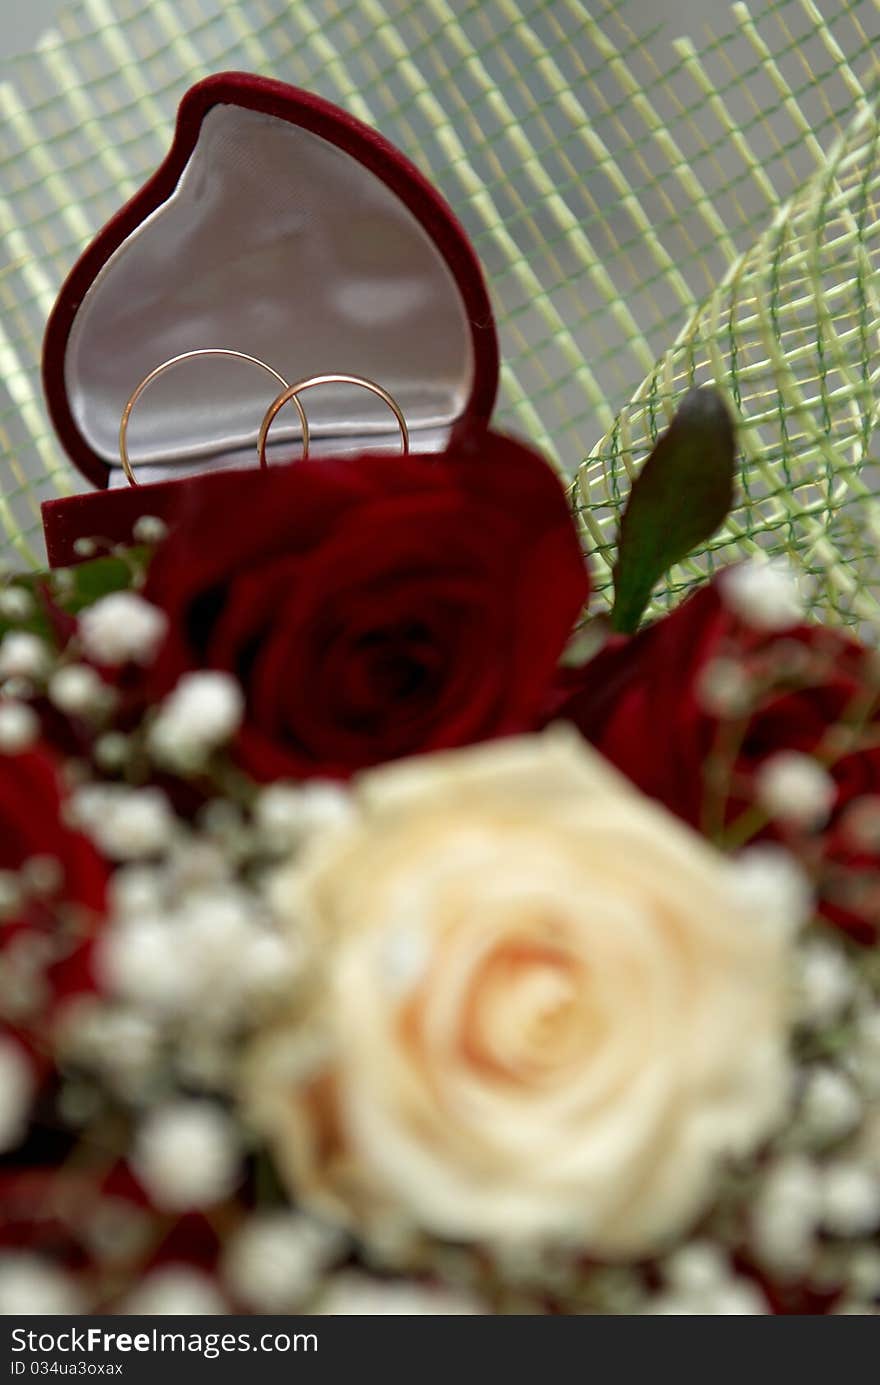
649, 210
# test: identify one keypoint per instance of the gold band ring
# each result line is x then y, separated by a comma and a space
292, 392
187, 356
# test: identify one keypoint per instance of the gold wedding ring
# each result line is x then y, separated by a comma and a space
188, 356
292, 392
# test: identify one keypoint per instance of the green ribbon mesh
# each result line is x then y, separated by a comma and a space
650, 210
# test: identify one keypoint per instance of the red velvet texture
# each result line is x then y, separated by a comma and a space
112, 515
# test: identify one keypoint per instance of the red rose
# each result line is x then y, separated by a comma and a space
374, 607
649, 705
54, 894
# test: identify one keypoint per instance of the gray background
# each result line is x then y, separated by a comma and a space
22, 22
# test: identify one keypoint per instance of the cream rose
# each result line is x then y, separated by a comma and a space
541, 1011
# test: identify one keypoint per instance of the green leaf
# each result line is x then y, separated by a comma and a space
681, 496
74, 588
96, 578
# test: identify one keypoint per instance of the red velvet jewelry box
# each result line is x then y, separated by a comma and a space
280, 227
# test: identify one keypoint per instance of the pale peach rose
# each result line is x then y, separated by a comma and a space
541, 1011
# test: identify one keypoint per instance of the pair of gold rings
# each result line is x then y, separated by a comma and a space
289, 394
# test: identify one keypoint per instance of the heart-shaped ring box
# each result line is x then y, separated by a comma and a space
281, 227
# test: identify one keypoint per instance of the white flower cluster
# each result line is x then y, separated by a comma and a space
816, 1212
288, 815
23, 655
700, 1281
176, 1291
16, 603
122, 628
127, 824
149, 529
772, 888
203, 712
277, 1259
214, 941
19, 727
30, 1284
25, 664
187, 1154
766, 595
213, 955
814, 1202
79, 691
795, 789
188, 960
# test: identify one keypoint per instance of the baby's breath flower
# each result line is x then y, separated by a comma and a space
127, 824
824, 984
786, 1215
23, 655
112, 750
696, 1267
772, 887
19, 727
149, 529
30, 1285
732, 1297
204, 711
122, 627
210, 957
765, 595
831, 1106
16, 603
124, 1045
187, 1155
137, 889
864, 1271
288, 814
141, 962
724, 688
850, 1199
795, 789
175, 1290
275, 1260
78, 691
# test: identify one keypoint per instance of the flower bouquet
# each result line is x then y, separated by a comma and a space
382, 933
426, 888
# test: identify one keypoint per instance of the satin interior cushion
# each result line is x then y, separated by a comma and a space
277, 243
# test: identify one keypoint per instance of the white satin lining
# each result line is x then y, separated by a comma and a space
278, 244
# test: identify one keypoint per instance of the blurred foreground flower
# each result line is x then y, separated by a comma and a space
768, 726
542, 1010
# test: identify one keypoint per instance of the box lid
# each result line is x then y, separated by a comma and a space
281, 227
